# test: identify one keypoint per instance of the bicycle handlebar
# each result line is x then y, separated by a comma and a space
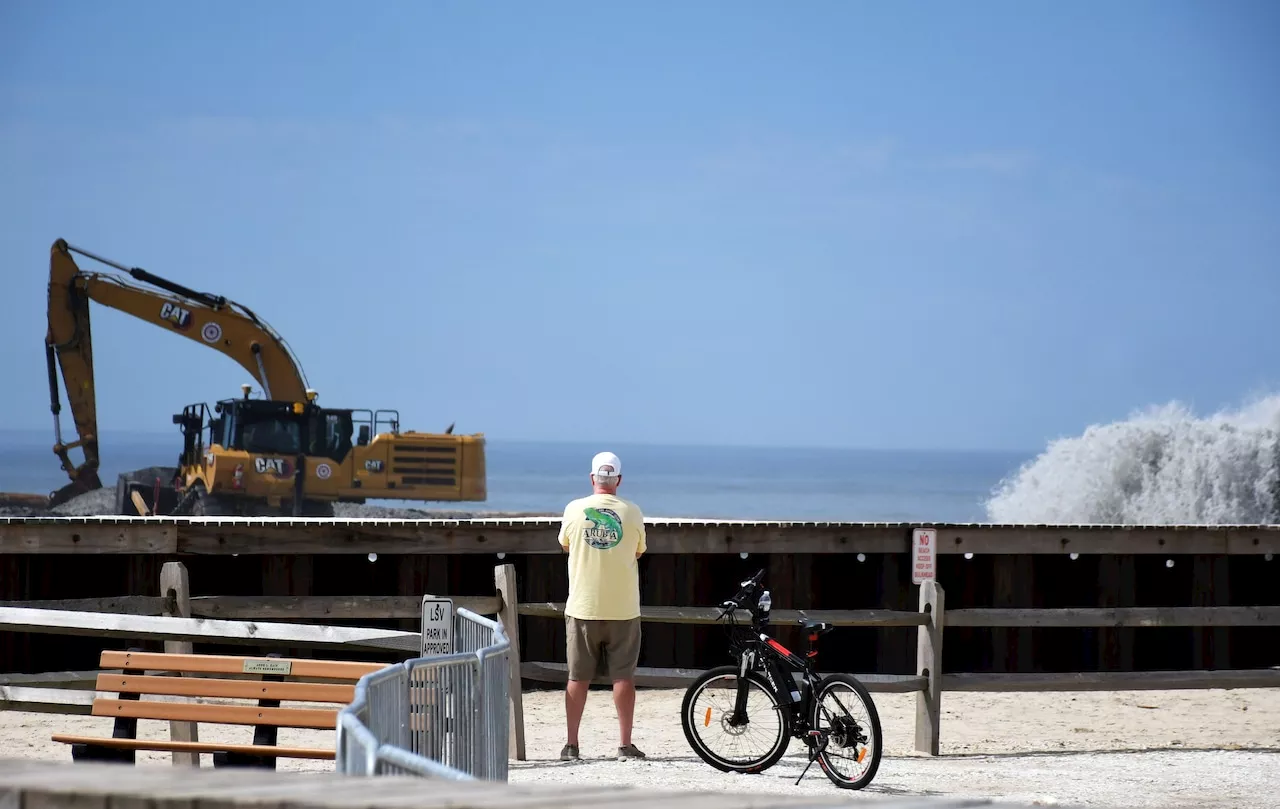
747, 589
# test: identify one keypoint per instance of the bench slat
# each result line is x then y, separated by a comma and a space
229, 689
230, 664
315, 718
198, 747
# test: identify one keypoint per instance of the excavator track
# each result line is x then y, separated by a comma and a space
185, 501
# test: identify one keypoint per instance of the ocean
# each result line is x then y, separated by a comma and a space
1163, 465
711, 482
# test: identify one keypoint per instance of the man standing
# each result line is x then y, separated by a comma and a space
604, 536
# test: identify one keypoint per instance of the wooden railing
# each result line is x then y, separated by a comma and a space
930, 621
240, 619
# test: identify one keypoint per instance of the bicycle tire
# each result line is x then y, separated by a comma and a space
877, 738
695, 741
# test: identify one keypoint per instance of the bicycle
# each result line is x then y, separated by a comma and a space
763, 667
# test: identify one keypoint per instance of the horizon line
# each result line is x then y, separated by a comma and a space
489, 439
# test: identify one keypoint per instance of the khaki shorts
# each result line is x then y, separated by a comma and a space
596, 648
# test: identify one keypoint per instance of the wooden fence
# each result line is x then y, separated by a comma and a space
810, 565
930, 622
176, 617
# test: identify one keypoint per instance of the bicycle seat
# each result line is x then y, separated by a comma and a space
818, 627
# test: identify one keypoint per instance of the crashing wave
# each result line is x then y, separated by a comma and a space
1159, 467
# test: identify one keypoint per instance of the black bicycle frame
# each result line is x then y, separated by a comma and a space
777, 663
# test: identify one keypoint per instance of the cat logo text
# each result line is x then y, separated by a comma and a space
176, 315
272, 466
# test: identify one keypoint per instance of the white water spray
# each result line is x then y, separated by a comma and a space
1159, 467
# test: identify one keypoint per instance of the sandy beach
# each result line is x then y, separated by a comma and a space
1216, 748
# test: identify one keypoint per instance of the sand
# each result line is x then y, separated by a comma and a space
1201, 749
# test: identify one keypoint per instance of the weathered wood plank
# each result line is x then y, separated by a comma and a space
55, 679
1112, 680
929, 667
1117, 580
406, 538
265, 608
336, 607
537, 536
1091, 540
1251, 540
710, 615
1210, 587
47, 700
151, 536
504, 581
1115, 617
123, 605
144, 627
175, 589
682, 678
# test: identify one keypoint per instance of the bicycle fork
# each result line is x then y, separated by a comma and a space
739, 716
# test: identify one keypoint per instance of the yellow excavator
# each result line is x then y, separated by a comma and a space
279, 455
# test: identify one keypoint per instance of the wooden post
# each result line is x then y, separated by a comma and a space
504, 580
929, 664
175, 589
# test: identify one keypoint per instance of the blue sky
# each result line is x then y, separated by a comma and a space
916, 225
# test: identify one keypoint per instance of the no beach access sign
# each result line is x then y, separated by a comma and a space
924, 542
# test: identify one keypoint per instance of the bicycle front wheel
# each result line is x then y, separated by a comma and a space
750, 747
844, 712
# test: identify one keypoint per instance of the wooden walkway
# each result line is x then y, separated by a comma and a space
26, 784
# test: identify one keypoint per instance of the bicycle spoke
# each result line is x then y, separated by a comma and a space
863, 722
744, 744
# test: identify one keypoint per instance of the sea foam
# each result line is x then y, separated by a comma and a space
1161, 466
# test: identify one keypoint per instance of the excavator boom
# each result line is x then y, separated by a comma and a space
211, 320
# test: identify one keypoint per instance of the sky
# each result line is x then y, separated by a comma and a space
849, 224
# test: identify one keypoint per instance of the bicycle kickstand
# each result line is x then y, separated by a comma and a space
814, 749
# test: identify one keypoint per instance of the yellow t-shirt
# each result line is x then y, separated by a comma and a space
604, 534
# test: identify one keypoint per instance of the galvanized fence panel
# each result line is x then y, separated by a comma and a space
439, 716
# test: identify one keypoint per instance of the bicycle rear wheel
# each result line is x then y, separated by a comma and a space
844, 711
705, 713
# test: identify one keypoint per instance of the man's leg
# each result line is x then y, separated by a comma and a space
575, 701
624, 655
624, 699
583, 656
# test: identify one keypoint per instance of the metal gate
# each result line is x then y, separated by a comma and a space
441, 716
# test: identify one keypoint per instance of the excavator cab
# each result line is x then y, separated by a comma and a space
263, 427
250, 425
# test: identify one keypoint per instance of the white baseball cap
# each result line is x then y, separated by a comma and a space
606, 464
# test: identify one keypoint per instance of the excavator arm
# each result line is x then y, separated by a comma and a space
210, 320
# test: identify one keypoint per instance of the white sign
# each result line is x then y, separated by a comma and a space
924, 542
437, 626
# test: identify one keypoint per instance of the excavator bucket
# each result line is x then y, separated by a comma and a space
86, 480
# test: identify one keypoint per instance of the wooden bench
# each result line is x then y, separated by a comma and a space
258, 678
